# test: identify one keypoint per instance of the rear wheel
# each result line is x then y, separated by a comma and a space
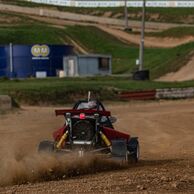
46, 146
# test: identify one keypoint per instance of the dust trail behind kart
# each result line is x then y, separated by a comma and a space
20, 168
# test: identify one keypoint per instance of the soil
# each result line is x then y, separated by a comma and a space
183, 74
4, 19
165, 131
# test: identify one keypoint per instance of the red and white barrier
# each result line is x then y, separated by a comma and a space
168, 93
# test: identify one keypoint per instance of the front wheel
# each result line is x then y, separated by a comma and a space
135, 155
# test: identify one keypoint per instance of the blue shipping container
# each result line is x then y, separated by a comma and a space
22, 61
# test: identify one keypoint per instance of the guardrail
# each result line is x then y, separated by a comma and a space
169, 93
139, 95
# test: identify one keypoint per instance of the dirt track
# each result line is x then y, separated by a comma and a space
149, 41
83, 18
165, 130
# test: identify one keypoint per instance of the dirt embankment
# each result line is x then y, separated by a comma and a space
166, 42
165, 131
184, 74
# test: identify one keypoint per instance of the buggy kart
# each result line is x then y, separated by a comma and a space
89, 128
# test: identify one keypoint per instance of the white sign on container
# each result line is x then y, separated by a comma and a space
41, 74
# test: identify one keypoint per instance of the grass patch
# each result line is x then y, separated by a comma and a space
174, 32
31, 34
177, 32
15, 19
67, 90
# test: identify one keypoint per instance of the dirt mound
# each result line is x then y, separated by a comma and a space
184, 74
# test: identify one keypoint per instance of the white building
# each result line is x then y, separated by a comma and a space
87, 65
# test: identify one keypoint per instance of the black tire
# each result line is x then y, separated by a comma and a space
133, 150
141, 75
46, 146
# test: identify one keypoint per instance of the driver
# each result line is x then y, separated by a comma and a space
92, 105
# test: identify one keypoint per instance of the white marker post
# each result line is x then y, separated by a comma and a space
89, 96
141, 50
11, 59
126, 15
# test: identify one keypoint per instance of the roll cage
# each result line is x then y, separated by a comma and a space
99, 107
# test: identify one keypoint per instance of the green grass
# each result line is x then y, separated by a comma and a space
178, 32
174, 32
158, 60
31, 34
61, 91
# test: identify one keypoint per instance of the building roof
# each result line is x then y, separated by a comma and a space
93, 56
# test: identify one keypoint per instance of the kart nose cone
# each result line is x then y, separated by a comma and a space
82, 116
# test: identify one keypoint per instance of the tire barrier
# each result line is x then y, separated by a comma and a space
5, 102
175, 93
169, 93
141, 75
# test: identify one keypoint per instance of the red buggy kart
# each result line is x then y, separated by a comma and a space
89, 128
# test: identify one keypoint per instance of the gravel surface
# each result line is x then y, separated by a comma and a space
165, 131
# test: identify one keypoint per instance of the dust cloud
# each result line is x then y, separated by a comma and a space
21, 168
